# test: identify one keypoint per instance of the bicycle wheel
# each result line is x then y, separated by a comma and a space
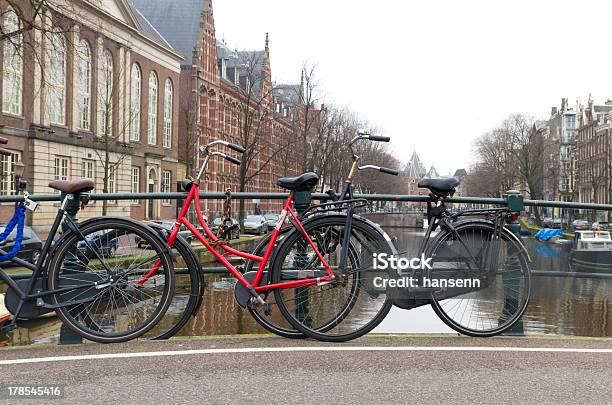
351, 305
494, 274
188, 290
118, 307
275, 322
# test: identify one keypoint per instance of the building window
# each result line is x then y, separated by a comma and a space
56, 79
135, 181
83, 64
136, 82
7, 170
152, 130
88, 169
168, 115
112, 180
105, 94
61, 168
166, 184
12, 66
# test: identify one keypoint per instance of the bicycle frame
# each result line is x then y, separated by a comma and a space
210, 241
38, 267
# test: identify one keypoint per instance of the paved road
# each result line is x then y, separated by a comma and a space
374, 369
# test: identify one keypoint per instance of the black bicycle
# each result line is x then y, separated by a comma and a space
479, 283
91, 276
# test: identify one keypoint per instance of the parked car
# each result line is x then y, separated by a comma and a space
272, 219
255, 224
183, 232
559, 223
601, 226
234, 234
31, 245
102, 242
580, 225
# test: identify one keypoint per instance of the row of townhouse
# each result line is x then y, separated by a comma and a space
579, 156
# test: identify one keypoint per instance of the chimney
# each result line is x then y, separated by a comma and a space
553, 111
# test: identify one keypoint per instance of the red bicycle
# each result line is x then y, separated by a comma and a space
320, 273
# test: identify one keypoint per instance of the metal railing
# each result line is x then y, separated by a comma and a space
506, 201
315, 196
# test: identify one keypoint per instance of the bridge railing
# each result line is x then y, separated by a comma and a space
319, 196
513, 200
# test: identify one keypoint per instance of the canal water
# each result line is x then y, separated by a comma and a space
559, 305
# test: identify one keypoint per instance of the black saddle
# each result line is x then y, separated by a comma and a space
440, 185
304, 182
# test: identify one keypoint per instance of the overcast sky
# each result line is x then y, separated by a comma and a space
433, 74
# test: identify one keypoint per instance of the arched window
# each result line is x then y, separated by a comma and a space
168, 114
152, 129
12, 66
83, 64
136, 83
105, 94
56, 79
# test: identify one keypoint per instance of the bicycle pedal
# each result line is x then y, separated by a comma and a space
267, 309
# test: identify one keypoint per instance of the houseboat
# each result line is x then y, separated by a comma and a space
592, 249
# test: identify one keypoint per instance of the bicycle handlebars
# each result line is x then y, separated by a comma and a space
236, 148
389, 171
385, 170
232, 159
379, 138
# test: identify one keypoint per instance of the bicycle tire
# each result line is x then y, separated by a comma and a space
481, 231
266, 322
170, 325
366, 236
69, 246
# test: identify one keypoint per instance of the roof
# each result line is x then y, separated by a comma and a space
460, 173
243, 61
177, 21
432, 173
288, 94
149, 30
414, 167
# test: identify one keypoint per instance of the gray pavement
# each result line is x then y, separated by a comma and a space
427, 369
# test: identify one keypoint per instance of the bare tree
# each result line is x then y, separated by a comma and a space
256, 116
113, 131
30, 14
310, 116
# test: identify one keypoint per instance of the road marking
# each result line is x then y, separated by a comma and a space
306, 349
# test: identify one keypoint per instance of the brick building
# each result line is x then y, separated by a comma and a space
562, 126
105, 80
218, 87
593, 154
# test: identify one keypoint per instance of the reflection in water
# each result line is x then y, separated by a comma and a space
559, 305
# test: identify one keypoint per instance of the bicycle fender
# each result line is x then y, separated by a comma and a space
357, 218
459, 224
88, 221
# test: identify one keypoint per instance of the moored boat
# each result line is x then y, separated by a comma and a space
592, 249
